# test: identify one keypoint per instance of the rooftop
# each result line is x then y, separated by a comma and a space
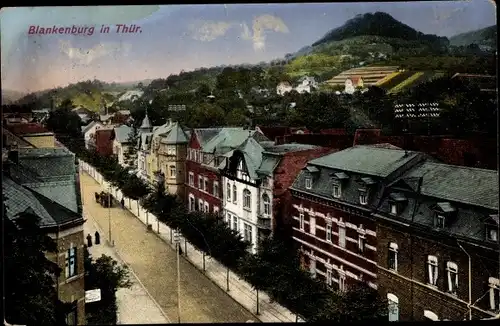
25, 129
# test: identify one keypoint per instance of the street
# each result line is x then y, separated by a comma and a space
154, 263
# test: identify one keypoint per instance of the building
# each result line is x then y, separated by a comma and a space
45, 182
121, 142
206, 150
143, 147
438, 244
333, 198
352, 83
307, 85
283, 88
33, 133
88, 132
104, 141
172, 154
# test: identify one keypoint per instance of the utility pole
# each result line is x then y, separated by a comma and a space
177, 248
111, 243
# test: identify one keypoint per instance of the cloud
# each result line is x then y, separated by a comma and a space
86, 56
261, 24
209, 30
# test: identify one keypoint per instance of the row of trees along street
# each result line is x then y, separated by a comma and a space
30, 277
275, 269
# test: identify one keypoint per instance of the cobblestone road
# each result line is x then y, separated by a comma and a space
154, 263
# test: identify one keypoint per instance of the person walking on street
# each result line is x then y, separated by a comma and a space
89, 240
123, 203
97, 238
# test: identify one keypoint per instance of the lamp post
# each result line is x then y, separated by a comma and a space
177, 247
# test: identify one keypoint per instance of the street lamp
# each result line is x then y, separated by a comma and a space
177, 239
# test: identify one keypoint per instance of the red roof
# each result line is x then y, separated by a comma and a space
333, 131
355, 79
26, 128
104, 141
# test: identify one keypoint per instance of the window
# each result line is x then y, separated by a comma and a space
265, 182
301, 221
171, 150
361, 242
312, 267
452, 271
71, 268
267, 204
494, 293
432, 269
392, 259
329, 232
342, 235
205, 186
439, 221
341, 279
248, 233
247, 199
430, 316
329, 277
71, 316
363, 197
394, 209
228, 192
216, 189
191, 178
308, 183
492, 233
207, 207
235, 223
393, 303
200, 182
227, 219
336, 191
191, 203
172, 170
216, 210
200, 205
235, 194
312, 225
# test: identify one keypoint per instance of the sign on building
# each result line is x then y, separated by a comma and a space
177, 107
92, 295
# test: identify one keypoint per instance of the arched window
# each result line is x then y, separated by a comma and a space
429, 315
393, 302
247, 201
267, 204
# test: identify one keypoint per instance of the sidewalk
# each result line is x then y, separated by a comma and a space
239, 290
135, 305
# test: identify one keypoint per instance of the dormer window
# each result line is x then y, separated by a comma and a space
338, 179
492, 228
363, 196
308, 182
439, 221
396, 203
394, 209
444, 211
336, 191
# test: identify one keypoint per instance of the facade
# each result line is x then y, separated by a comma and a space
143, 147
438, 249
88, 132
45, 182
333, 198
207, 149
283, 88
121, 143
172, 158
104, 141
306, 85
352, 83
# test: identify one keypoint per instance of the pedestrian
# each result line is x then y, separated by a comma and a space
89, 240
97, 238
96, 197
180, 250
123, 203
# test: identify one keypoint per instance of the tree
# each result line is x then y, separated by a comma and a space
104, 274
134, 188
30, 292
131, 150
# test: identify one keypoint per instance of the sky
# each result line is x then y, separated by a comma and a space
186, 37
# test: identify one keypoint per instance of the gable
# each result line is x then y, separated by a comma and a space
194, 143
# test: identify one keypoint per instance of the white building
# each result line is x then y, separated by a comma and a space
241, 190
121, 143
283, 88
143, 146
89, 133
306, 85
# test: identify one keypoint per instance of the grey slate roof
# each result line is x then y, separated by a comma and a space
205, 134
252, 152
227, 138
478, 187
269, 163
122, 133
175, 135
367, 160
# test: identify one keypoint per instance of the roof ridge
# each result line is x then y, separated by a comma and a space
461, 167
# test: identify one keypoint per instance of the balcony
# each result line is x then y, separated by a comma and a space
264, 222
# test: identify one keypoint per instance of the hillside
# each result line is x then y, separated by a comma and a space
378, 24
483, 37
10, 96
